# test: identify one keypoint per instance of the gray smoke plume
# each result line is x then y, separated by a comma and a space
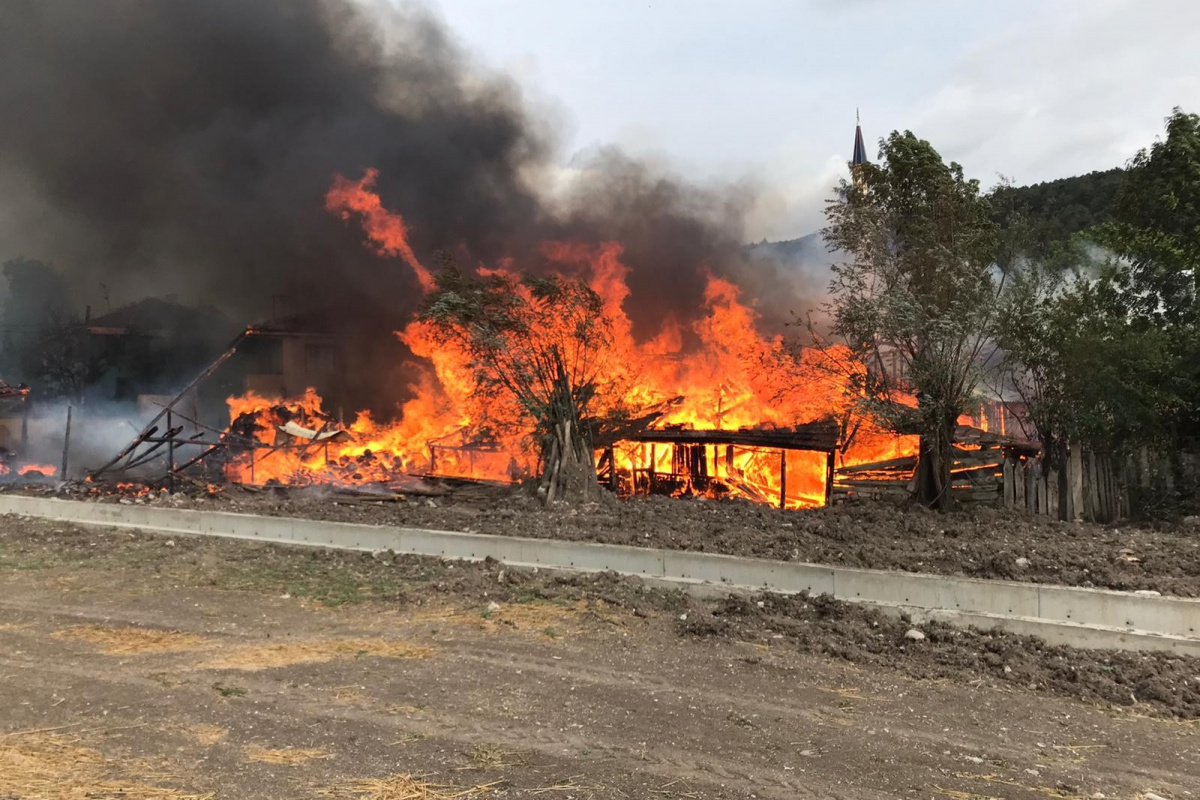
176, 146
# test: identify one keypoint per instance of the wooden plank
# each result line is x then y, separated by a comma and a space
1075, 482
1019, 486
1052, 499
821, 437
1009, 491
1039, 488
1031, 493
892, 463
829, 470
1093, 488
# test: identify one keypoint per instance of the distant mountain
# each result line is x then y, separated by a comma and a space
803, 253
1057, 210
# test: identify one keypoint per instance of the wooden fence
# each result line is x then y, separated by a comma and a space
1090, 486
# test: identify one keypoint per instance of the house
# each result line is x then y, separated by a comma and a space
284, 356
152, 346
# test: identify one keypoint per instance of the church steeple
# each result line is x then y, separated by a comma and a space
860, 149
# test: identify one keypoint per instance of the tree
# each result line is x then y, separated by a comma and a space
916, 300
46, 343
1156, 224
539, 341
1155, 232
1110, 357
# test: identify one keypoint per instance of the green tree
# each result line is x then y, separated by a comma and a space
541, 342
1156, 235
916, 300
1110, 357
1156, 225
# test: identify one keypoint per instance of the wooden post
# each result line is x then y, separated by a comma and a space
66, 444
1052, 503
170, 455
829, 471
650, 485
1075, 481
1038, 506
783, 478
1030, 486
1093, 488
1019, 485
612, 468
24, 425
1009, 489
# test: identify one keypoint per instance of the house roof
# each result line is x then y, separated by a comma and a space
157, 315
306, 323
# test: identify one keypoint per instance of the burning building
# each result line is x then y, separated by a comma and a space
326, 149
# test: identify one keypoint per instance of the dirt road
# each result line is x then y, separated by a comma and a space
148, 667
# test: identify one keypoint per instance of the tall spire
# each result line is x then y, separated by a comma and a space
860, 149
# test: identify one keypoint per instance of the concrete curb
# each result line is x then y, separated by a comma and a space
1060, 614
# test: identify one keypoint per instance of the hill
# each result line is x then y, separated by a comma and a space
1057, 209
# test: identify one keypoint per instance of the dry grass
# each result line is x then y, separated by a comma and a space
409, 738
1047, 791
408, 787
350, 694
132, 641
251, 658
288, 756
487, 756
207, 735
538, 617
10, 626
50, 766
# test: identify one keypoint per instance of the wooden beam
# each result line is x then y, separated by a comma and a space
152, 424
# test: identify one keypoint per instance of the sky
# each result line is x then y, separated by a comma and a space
766, 90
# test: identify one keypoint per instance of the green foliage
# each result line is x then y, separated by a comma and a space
1057, 211
1111, 356
1156, 225
919, 292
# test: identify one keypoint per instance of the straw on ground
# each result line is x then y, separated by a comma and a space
132, 641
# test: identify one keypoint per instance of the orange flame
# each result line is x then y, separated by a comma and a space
736, 378
387, 230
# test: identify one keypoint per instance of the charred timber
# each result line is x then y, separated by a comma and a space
820, 437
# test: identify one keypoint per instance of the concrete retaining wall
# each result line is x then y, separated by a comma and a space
1068, 615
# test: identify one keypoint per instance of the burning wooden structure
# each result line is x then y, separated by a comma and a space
750, 462
981, 459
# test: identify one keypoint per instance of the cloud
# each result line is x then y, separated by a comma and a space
1078, 87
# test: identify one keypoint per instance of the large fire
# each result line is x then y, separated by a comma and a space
735, 378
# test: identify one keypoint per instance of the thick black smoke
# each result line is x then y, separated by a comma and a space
176, 146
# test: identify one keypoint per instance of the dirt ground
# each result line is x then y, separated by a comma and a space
170, 668
982, 544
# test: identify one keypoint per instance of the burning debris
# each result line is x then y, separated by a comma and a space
522, 370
